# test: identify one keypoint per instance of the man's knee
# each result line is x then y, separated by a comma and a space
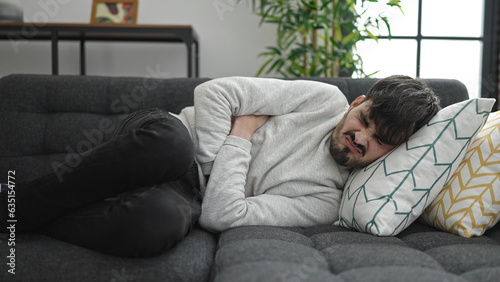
166, 146
174, 144
158, 224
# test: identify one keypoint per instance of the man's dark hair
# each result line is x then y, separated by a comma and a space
401, 106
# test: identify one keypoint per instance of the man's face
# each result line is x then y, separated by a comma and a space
355, 142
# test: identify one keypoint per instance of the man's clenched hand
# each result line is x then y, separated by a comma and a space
245, 126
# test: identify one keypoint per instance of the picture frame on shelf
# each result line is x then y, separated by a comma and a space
114, 11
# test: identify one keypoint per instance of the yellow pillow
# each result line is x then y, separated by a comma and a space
470, 203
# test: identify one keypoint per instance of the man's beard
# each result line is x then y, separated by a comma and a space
341, 153
341, 156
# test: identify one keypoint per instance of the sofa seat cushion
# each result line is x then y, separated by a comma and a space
332, 253
40, 258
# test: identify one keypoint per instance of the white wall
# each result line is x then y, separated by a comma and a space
229, 34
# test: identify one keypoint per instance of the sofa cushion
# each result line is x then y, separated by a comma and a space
470, 203
389, 194
40, 258
49, 119
333, 253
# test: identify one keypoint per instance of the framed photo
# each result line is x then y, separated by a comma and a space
114, 11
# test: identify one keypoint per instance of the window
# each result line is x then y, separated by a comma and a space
436, 39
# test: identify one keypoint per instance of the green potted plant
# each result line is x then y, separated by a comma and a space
317, 37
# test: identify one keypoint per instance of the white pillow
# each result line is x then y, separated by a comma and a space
388, 195
470, 203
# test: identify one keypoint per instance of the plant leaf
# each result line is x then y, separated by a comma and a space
264, 66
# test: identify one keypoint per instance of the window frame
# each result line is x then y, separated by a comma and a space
489, 87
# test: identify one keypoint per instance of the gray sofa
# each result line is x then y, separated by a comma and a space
43, 119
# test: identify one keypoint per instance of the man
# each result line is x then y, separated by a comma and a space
289, 170
270, 152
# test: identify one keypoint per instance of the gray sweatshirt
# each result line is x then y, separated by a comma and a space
285, 176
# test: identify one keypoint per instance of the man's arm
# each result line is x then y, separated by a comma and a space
225, 205
245, 126
219, 100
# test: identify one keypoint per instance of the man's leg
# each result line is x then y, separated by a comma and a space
139, 223
149, 148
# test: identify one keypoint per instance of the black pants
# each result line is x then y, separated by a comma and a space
134, 195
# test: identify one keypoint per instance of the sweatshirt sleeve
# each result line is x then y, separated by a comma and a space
216, 101
225, 205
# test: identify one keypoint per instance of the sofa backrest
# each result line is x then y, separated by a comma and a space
450, 91
46, 120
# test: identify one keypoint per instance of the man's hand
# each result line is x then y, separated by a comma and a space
245, 126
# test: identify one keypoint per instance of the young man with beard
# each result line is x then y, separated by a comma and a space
256, 151
293, 143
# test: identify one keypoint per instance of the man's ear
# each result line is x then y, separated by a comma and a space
357, 101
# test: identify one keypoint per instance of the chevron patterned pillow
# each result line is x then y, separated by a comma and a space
470, 203
392, 192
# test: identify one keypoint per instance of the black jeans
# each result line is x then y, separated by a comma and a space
136, 194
